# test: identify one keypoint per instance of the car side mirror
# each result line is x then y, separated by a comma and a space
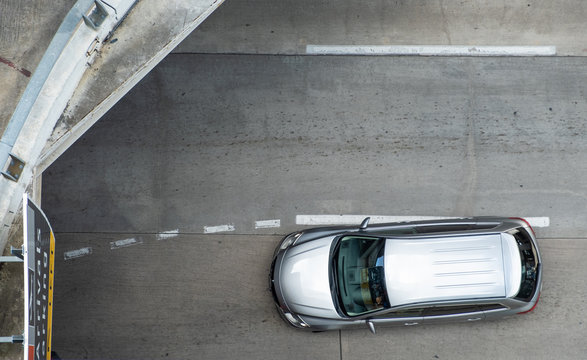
365, 223
371, 326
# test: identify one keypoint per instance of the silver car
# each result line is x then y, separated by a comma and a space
407, 273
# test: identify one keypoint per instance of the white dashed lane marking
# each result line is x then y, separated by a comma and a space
218, 228
168, 234
72, 254
125, 242
265, 224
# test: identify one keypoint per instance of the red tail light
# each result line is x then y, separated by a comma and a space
527, 223
533, 307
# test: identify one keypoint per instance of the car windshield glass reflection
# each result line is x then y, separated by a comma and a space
360, 276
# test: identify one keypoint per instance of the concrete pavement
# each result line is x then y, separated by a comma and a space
185, 297
146, 37
140, 46
137, 46
287, 26
473, 129
270, 137
283, 28
273, 137
206, 297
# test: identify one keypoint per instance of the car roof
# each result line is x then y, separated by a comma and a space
431, 269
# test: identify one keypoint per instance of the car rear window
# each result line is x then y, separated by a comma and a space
529, 265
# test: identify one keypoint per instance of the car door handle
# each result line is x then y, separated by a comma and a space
411, 323
474, 319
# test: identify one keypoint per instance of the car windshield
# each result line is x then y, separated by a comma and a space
360, 278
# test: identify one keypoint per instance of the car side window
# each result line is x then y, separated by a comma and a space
438, 228
398, 231
402, 231
398, 314
442, 228
450, 310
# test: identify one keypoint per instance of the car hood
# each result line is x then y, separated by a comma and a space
304, 280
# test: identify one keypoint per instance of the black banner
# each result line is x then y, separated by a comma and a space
39, 257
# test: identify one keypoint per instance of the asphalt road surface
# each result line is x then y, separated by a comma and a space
207, 143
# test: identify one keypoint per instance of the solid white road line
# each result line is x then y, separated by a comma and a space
431, 50
379, 219
218, 228
124, 243
72, 254
543, 221
265, 224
